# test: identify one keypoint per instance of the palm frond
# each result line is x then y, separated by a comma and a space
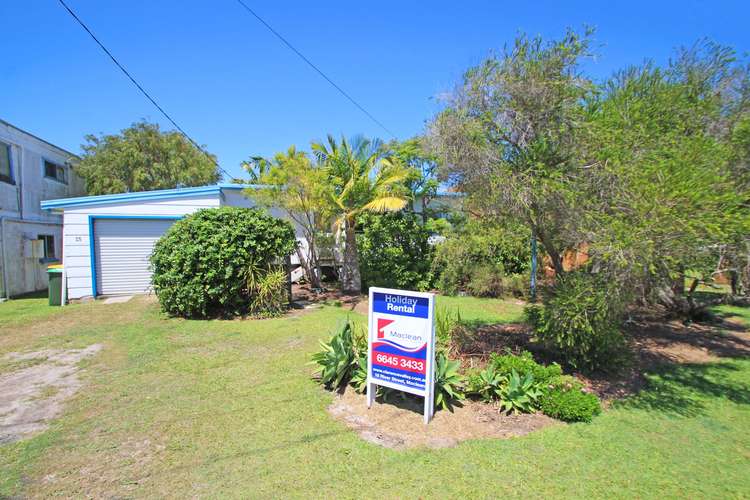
385, 204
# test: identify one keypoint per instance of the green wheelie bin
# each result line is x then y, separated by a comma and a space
54, 272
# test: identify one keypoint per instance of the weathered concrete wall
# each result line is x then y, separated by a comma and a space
19, 206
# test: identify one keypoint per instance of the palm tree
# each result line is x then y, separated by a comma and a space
364, 177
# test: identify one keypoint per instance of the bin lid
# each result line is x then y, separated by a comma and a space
55, 268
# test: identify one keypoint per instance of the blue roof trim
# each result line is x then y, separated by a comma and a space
141, 195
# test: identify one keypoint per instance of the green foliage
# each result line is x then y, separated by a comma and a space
343, 359
143, 158
524, 364
445, 322
359, 374
519, 394
338, 359
570, 404
269, 293
478, 256
363, 177
448, 382
393, 251
299, 186
213, 263
486, 384
581, 320
510, 137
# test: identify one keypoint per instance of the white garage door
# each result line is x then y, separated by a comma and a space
123, 248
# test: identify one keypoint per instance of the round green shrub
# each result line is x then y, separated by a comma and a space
570, 405
394, 251
214, 262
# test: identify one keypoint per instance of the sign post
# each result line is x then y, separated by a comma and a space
401, 344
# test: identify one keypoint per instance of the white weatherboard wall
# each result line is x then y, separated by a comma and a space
77, 240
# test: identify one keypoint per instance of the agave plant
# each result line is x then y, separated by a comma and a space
519, 395
448, 382
337, 359
359, 374
488, 383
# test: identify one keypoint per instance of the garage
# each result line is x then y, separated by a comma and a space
122, 248
108, 239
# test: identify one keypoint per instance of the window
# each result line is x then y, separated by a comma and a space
6, 174
49, 246
55, 171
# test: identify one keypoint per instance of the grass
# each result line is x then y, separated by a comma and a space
227, 409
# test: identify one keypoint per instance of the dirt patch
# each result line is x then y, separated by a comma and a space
32, 396
399, 423
303, 296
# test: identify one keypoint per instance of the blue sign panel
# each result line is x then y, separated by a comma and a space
401, 305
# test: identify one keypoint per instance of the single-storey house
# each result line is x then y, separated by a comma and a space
108, 239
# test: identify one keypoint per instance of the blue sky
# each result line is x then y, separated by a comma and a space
235, 88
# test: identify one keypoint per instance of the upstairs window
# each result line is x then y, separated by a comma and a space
55, 171
6, 174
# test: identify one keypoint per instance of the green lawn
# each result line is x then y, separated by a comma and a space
227, 408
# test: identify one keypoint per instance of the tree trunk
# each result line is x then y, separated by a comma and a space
351, 280
554, 255
309, 272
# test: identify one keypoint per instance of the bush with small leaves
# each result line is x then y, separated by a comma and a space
202, 264
570, 404
524, 364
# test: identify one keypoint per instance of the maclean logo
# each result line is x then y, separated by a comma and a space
382, 323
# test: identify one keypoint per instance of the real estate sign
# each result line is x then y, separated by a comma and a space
401, 350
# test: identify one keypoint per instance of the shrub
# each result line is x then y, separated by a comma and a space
476, 258
524, 364
580, 320
486, 280
394, 252
202, 264
570, 404
340, 357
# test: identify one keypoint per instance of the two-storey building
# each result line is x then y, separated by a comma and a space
31, 170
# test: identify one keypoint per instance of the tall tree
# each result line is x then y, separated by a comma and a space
143, 158
364, 177
509, 137
668, 170
299, 186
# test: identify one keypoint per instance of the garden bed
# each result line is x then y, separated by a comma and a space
652, 342
399, 423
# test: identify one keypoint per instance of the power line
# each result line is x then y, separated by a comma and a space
313, 66
143, 91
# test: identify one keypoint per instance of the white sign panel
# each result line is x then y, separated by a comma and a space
401, 348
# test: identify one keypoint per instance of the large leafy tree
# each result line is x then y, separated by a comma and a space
667, 167
141, 158
298, 185
509, 137
647, 170
364, 177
